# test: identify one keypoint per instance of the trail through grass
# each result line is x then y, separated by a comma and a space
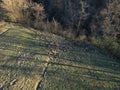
33, 60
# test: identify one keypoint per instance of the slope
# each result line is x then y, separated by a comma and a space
33, 60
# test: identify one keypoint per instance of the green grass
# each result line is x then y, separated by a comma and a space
108, 43
27, 62
4, 27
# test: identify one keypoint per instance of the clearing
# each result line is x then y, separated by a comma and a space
34, 60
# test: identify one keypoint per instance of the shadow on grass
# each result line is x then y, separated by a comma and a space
34, 47
26, 70
86, 75
87, 82
36, 44
24, 42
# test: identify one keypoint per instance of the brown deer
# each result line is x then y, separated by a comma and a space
2, 23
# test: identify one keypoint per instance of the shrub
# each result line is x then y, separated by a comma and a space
109, 44
24, 11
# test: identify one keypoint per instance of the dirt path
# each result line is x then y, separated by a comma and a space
43, 75
52, 52
3, 30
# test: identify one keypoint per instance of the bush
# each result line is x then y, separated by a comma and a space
109, 44
24, 12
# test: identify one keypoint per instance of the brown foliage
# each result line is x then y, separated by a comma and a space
24, 12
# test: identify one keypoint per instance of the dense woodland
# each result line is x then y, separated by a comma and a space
95, 21
89, 17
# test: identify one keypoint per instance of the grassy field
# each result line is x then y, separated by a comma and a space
33, 60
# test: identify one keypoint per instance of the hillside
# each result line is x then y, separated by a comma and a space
34, 60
